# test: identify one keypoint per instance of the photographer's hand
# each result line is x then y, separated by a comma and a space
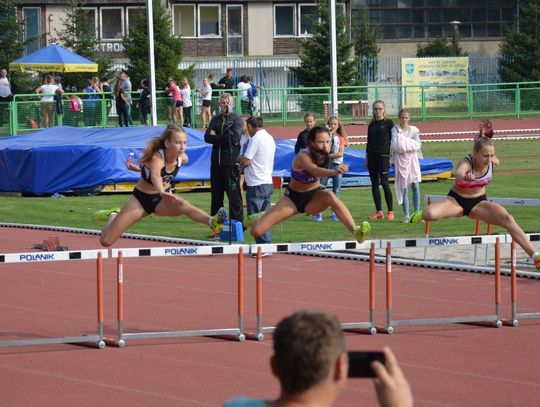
392, 388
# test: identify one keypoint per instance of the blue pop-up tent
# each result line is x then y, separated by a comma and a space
66, 158
54, 58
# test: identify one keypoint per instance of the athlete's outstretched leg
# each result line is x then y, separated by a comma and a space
129, 214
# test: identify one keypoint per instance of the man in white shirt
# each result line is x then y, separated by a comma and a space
258, 161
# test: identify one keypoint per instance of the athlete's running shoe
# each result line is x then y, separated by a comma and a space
377, 215
251, 218
537, 262
218, 220
361, 232
318, 217
416, 217
103, 214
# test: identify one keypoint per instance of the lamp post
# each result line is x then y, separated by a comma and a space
455, 37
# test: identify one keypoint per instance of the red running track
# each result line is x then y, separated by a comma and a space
447, 365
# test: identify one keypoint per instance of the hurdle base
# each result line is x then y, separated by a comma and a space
95, 341
359, 327
494, 319
179, 334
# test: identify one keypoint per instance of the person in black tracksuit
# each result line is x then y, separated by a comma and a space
378, 158
224, 133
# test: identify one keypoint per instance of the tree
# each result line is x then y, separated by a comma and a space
167, 48
520, 49
315, 69
13, 45
365, 43
441, 47
79, 36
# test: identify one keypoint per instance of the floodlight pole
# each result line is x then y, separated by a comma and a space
152, 65
333, 56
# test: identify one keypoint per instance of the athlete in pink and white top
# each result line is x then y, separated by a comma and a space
468, 196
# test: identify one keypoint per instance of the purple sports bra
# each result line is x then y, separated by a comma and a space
302, 176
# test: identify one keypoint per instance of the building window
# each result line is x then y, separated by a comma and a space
209, 21
308, 16
112, 23
132, 13
284, 20
184, 20
32, 28
91, 16
235, 38
402, 19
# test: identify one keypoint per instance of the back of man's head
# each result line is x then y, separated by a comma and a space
307, 345
256, 122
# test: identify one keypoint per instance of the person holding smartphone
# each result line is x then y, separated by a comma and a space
310, 361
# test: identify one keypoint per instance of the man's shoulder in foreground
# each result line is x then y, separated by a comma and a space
245, 402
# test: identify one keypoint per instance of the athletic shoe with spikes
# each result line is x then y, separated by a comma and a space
218, 220
416, 217
252, 217
361, 232
537, 262
103, 214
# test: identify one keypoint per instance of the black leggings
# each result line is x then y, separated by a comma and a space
378, 166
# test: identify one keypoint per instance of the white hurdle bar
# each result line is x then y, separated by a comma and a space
515, 315
45, 257
178, 251
310, 247
494, 318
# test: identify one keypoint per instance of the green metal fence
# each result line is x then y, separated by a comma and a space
287, 105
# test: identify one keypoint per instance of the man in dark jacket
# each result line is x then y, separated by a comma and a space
224, 133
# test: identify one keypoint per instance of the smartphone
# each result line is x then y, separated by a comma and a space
360, 363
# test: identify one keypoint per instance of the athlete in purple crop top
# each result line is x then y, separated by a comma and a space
160, 164
468, 196
304, 194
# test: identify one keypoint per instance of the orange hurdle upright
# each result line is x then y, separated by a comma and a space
513, 279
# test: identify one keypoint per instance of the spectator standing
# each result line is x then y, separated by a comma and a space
206, 93
253, 96
48, 90
378, 159
106, 88
5, 95
214, 106
243, 87
145, 101
258, 163
406, 154
178, 106
91, 97
227, 82
127, 87
224, 133
310, 362
121, 103
185, 90
301, 140
169, 101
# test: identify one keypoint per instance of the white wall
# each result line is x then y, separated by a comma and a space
260, 29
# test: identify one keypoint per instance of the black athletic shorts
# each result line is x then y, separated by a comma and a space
301, 199
178, 103
467, 204
206, 103
147, 201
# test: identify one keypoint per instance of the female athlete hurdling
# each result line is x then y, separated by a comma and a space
468, 194
160, 163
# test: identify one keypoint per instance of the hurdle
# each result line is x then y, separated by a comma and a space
513, 292
501, 201
177, 251
57, 256
294, 248
463, 240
